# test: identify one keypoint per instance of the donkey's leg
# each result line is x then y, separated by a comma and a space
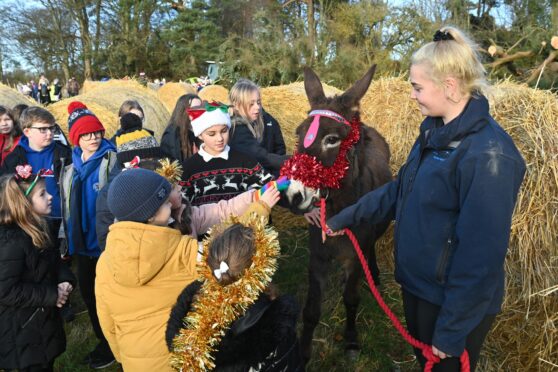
317, 278
372, 262
351, 299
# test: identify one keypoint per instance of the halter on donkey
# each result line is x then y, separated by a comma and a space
310, 172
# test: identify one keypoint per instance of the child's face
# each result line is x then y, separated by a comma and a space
40, 135
90, 142
254, 106
430, 96
175, 197
215, 138
6, 124
161, 218
41, 199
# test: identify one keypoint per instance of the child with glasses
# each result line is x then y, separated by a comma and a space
38, 149
93, 158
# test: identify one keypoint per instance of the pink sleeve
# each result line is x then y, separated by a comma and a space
205, 216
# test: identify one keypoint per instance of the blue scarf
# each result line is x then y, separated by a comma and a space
83, 198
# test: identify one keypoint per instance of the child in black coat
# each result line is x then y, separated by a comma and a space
254, 329
33, 283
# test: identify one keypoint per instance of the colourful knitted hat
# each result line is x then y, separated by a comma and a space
81, 121
137, 143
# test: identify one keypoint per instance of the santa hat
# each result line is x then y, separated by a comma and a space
213, 113
81, 121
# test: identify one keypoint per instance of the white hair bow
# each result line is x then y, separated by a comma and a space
223, 268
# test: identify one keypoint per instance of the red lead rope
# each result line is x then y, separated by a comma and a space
431, 359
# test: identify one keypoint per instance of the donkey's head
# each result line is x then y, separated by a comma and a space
321, 134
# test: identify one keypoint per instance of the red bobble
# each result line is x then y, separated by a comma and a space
75, 105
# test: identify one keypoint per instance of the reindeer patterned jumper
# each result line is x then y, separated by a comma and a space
209, 179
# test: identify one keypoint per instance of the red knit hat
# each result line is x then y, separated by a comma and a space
81, 121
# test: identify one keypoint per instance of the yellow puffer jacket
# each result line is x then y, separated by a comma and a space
139, 277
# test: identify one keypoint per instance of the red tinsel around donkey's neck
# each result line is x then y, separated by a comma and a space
312, 173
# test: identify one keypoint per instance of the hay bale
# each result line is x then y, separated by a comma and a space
89, 85
171, 92
10, 97
110, 96
214, 93
524, 333
289, 105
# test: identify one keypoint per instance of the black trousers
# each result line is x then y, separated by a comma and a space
86, 278
421, 319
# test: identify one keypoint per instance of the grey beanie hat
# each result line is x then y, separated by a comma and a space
136, 194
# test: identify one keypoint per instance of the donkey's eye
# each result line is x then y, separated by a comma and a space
331, 140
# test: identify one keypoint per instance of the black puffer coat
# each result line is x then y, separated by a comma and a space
31, 329
264, 339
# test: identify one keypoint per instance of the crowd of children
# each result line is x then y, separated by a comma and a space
128, 212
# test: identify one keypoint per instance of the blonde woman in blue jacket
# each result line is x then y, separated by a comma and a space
452, 202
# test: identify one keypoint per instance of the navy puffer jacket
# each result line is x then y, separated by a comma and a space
452, 202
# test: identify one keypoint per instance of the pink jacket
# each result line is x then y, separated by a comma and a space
206, 216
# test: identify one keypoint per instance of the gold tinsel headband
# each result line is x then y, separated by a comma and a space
216, 307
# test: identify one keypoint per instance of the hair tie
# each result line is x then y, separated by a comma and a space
223, 268
442, 36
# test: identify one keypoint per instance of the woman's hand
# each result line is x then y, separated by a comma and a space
313, 217
271, 196
329, 232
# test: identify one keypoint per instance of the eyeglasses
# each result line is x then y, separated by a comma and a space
90, 136
43, 130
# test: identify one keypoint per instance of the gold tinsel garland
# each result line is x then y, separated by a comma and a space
215, 307
172, 171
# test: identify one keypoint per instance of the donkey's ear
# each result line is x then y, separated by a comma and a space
313, 87
353, 95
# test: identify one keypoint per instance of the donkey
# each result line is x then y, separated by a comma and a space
368, 169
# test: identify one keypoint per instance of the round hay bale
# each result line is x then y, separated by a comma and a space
524, 333
171, 92
214, 93
10, 97
112, 94
108, 117
289, 105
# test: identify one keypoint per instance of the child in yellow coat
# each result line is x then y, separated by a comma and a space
144, 268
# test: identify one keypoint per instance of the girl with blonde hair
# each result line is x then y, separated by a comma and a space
33, 282
452, 203
253, 131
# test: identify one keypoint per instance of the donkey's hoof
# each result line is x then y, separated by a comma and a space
352, 354
352, 351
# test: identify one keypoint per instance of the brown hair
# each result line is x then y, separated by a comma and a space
16, 208
180, 119
128, 106
35, 114
239, 96
14, 132
235, 246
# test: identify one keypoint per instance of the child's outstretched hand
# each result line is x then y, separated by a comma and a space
270, 197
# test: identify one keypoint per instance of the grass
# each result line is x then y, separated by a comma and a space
382, 348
